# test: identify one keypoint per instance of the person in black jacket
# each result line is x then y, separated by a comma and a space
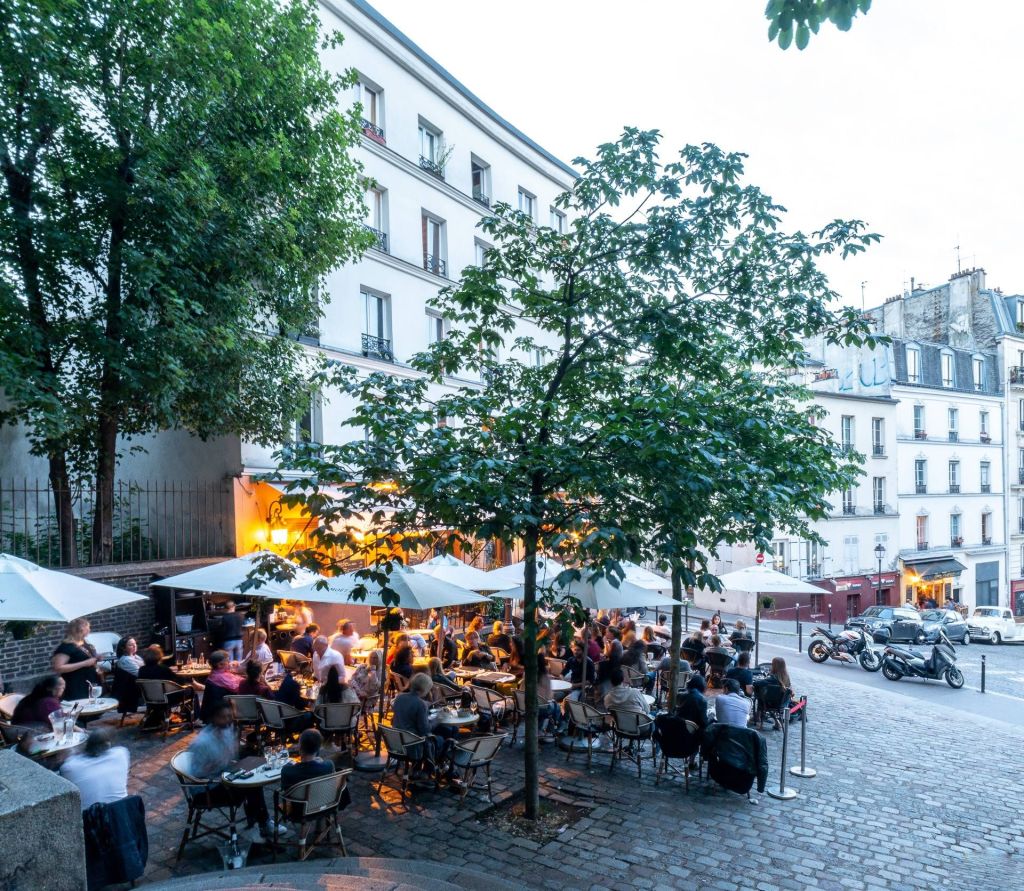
448, 651
736, 756
692, 705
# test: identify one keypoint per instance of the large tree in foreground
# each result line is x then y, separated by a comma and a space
671, 273
175, 184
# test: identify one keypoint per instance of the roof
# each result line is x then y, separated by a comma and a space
456, 84
935, 568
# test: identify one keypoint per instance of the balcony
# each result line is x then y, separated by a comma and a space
846, 448
849, 510
382, 239
374, 132
1017, 375
985, 437
921, 489
922, 546
957, 542
986, 539
879, 508
432, 166
920, 434
814, 571
986, 488
878, 450
1020, 476
1020, 524
378, 348
435, 265
954, 488
481, 198
954, 436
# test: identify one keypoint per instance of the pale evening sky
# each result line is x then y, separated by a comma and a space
910, 121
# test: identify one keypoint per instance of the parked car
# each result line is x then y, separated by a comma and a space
891, 624
994, 624
949, 621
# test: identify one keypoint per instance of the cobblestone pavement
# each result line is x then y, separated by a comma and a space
905, 798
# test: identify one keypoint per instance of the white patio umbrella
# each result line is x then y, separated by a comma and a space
450, 569
514, 576
602, 593
228, 576
30, 593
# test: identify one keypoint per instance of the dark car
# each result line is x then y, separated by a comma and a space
951, 622
891, 624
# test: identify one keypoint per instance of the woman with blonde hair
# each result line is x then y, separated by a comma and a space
75, 661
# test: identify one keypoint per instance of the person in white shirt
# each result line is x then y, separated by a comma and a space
732, 707
621, 695
345, 640
101, 773
324, 657
260, 649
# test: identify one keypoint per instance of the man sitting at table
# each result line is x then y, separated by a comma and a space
622, 695
410, 713
477, 655
310, 765
448, 651
692, 705
574, 669
732, 707
661, 629
345, 640
303, 643
742, 674
214, 751
500, 638
220, 683
101, 772
324, 656
740, 632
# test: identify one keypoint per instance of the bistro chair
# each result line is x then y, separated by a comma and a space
406, 750
164, 699
442, 694
368, 716
295, 661
677, 739
314, 805
197, 799
771, 701
276, 717
339, 720
245, 711
718, 664
491, 704
501, 656
8, 704
556, 667
585, 721
665, 682
743, 644
630, 729
473, 754
11, 734
519, 710
634, 677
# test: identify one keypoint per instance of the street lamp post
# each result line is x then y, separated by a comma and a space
879, 554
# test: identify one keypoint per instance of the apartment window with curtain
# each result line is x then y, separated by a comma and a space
527, 203
955, 538
877, 436
846, 432
919, 429
377, 325
878, 494
954, 477
954, 424
948, 375
921, 476
849, 509
986, 528
985, 476
434, 245
922, 533
913, 365
978, 368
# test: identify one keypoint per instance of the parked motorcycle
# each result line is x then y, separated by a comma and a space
850, 645
898, 663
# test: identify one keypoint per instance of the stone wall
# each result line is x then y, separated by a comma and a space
23, 661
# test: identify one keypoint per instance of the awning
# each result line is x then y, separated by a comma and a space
929, 570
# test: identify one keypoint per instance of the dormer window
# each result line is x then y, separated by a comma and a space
913, 365
948, 376
978, 370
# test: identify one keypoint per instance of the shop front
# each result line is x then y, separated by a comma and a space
849, 595
1017, 597
933, 582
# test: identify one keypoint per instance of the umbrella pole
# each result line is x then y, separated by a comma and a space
376, 761
757, 629
586, 655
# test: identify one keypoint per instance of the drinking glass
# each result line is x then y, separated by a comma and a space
69, 729
94, 692
57, 723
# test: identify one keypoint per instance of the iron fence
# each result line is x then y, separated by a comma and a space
150, 521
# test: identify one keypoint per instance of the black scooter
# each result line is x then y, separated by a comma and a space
898, 663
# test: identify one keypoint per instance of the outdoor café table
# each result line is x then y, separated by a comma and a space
360, 655
45, 745
194, 672
559, 688
420, 663
90, 708
466, 674
444, 716
490, 678
262, 774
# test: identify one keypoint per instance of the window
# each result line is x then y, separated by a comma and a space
983, 424
537, 357
848, 506
430, 142
371, 97
978, 369
919, 432
558, 221
948, 379
851, 554
846, 432
527, 203
913, 365
878, 494
376, 216
955, 538
434, 245
985, 476
779, 556
921, 476
922, 533
814, 559
986, 528
877, 436
309, 427
954, 476
1020, 314
480, 253
480, 174
1020, 414
437, 327
954, 424
377, 325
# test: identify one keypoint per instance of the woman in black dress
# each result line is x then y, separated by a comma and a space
75, 661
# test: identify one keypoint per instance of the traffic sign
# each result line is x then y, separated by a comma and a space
759, 559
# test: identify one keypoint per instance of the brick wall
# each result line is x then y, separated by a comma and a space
23, 661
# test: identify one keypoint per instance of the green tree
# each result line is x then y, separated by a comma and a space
176, 184
692, 280
800, 18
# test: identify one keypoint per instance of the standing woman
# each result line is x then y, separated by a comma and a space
75, 661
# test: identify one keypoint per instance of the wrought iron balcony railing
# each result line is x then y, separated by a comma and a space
878, 449
481, 198
954, 488
986, 539
435, 265
432, 166
921, 489
378, 347
954, 436
373, 131
922, 546
382, 238
849, 510
957, 542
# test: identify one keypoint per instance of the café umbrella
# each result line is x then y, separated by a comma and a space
31, 593
414, 591
450, 569
228, 576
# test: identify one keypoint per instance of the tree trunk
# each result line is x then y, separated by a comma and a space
530, 755
677, 636
103, 516
63, 504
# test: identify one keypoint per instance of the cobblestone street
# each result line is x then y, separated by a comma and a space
904, 798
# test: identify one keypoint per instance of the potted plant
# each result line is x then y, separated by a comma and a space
767, 603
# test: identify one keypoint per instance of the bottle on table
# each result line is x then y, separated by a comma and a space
234, 858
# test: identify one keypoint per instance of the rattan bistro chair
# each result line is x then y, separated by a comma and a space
296, 661
680, 739
665, 682
585, 721
406, 751
277, 716
245, 711
314, 805
194, 789
339, 720
491, 704
475, 754
165, 698
631, 729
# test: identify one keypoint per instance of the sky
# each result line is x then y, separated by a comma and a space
910, 121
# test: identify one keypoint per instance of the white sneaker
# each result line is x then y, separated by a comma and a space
268, 830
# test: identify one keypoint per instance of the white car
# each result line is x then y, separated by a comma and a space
994, 624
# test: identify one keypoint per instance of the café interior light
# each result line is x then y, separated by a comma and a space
275, 522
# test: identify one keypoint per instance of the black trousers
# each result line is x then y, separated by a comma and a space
252, 801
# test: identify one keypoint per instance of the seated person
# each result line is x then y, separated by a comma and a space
691, 705
742, 674
732, 707
403, 661
436, 671
34, 709
775, 688
477, 655
411, 713
345, 640
396, 644
443, 647
303, 643
260, 649
661, 629
574, 668
221, 682
634, 652
500, 638
153, 667
621, 695
612, 659
127, 656
705, 630
334, 689
101, 772
665, 664
326, 658
310, 765
547, 709
253, 683
437, 618
740, 632
365, 679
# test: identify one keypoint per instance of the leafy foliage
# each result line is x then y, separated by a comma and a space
798, 19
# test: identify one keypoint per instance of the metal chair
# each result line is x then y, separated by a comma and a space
245, 711
275, 717
771, 700
556, 667
631, 728
743, 644
194, 788
164, 699
404, 748
313, 803
665, 682
296, 661
633, 676
500, 656
718, 664
677, 738
491, 704
9, 703
11, 734
586, 721
339, 720
442, 694
472, 755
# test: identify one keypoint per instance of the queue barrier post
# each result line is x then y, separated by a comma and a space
982, 672
784, 793
803, 770
799, 637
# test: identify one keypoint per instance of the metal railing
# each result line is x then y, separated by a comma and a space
922, 546
986, 488
921, 489
986, 539
150, 521
1020, 476
920, 434
431, 166
879, 508
1020, 522
382, 238
481, 198
1017, 375
373, 131
435, 265
378, 347
954, 488
878, 449
849, 510
957, 542
954, 436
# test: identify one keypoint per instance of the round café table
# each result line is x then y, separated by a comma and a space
46, 746
91, 708
193, 673
263, 775
449, 720
560, 688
